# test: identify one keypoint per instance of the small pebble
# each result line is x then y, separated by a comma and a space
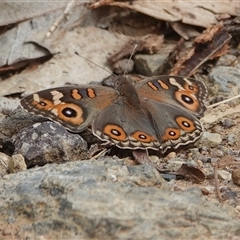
200, 163
231, 139
210, 139
226, 60
236, 176
171, 155
224, 175
204, 191
216, 153
228, 123
174, 164
238, 208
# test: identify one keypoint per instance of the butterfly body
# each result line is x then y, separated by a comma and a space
158, 113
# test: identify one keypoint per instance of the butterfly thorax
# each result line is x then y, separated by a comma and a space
128, 92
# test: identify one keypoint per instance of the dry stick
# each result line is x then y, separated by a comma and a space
133, 51
60, 18
217, 183
101, 153
224, 101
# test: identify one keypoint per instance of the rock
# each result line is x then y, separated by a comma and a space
153, 65
4, 159
105, 199
49, 142
236, 176
15, 121
174, 164
224, 175
226, 60
12, 164
17, 164
228, 123
231, 139
210, 139
226, 78
8, 103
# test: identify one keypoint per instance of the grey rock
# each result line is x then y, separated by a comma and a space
105, 199
147, 65
226, 78
210, 139
153, 65
15, 121
49, 142
228, 123
231, 139
174, 164
227, 60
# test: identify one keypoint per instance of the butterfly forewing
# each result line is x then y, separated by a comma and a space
186, 93
73, 107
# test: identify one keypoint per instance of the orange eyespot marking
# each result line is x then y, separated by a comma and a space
163, 85
187, 100
171, 134
190, 86
143, 137
91, 93
185, 124
151, 85
42, 103
75, 94
115, 132
69, 112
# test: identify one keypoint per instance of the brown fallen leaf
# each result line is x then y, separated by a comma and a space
196, 13
191, 173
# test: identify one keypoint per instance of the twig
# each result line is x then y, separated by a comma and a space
217, 188
60, 18
224, 101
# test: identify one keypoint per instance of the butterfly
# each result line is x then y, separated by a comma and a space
160, 113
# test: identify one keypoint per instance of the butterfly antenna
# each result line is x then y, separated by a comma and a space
133, 51
94, 63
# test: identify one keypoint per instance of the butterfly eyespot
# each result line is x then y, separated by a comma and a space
42, 103
115, 132
187, 99
185, 124
142, 136
69, 112
171, 134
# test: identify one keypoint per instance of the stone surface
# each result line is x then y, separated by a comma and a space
106, 199
210, 139
224, 175
153, 65
49, 142
227, 79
